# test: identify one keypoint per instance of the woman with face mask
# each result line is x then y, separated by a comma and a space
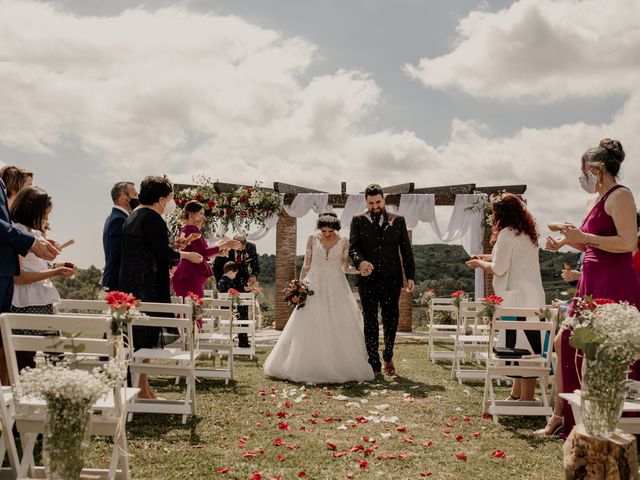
608, 236
147, 257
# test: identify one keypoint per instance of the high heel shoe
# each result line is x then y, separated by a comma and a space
553, 427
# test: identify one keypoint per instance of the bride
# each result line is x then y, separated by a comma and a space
323, 342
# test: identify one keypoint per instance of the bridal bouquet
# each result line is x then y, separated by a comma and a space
296, 293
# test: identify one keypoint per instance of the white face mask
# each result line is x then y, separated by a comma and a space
169, 208
589, 182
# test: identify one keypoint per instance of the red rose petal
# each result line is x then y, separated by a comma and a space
461, 456
362, 420
350, 474
486, 416
497, 454
453, 419
262, 392
302, 474
278, 442
466, 419
331, 446
459, 438
402, 429
249, 454
315, 414
255, 476
428, 443
446, 431
244, 440
476, 435
288, 404
363, 464
450, 425
223, 470
408, 440
293, 447
282, 414
267, 413
280, 458
425, 474
338, 454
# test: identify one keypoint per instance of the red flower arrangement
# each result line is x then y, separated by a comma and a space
489, 304
458, 296
296, 293
120, 304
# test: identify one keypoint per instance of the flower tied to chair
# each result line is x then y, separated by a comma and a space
121, 305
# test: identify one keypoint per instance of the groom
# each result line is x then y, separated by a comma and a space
380, 248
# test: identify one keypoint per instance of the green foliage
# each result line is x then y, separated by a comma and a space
84, 285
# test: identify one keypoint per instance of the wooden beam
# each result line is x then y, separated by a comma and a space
398, 189
517, 189
288, 188
448, 189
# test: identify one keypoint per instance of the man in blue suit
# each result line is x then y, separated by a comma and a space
125, 199
13, 242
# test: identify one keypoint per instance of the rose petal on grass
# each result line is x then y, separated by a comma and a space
288, 404
497, 454
262, 392
363, 464
249, 454
362, 420
461, 456
315, 414
459, 438
408, 440
244, 440
486, 416
338, 454
282, 414
331, 446
223, 470
280, 458
255, 476
467, 419
293, 447
350, 474
278, 442
428, 443
446, 431
476, 435
302, 474
425, 474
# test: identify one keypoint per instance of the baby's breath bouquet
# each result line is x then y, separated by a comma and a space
69, 394
609, 335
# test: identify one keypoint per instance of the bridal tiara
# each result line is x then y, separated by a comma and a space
327, 218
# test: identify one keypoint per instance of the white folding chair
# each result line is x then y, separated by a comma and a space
247, 326
7, 442
169, 361
215, 340
439, 331
534, 365
108, 413
467, 343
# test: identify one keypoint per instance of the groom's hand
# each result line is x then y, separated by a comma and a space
365, 268
410, 286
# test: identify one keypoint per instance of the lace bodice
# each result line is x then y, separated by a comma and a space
318, 258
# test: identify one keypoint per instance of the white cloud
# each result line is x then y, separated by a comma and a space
542, 49
180, 92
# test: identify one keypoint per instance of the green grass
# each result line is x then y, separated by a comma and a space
424, 399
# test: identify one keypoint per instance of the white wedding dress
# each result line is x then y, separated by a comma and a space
323, 342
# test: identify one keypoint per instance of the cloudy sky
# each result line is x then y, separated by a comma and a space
314, 93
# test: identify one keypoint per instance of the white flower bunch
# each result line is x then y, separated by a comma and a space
59, 382
113, 373
616, 330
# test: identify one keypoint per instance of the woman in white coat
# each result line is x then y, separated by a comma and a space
515, 265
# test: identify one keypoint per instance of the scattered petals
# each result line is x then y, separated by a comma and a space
278, 442
302, 474
255, 476
284, 426
363, 464
402, 429
331, 446
425, 474
428, 443
461, 456
476, 435
459, 438
223, 470
497, 454
408, 440
280, 458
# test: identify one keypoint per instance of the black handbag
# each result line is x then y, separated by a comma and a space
505, 352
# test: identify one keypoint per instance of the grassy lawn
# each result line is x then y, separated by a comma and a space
413, 427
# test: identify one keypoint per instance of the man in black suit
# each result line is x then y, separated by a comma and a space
125, 199
380, 248
246, 257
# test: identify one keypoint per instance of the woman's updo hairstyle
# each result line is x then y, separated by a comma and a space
328, 220
192, 206
609, 153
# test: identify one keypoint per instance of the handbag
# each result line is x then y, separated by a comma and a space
506, 352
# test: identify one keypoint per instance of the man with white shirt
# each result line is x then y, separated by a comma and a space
125, 199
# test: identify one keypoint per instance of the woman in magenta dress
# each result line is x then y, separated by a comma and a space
607, 236
191, 277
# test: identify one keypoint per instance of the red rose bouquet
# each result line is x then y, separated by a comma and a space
296, 293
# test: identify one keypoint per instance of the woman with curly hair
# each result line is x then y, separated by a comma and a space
515, 267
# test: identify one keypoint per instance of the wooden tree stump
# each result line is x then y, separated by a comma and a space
587, 457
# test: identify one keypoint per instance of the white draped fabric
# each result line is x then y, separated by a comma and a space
465, 223
307, 201
356, 204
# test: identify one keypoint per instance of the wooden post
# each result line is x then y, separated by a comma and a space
406, 307
598, 458
286, 237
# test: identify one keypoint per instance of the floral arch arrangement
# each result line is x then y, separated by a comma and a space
239, 209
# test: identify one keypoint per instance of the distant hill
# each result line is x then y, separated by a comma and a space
442, 267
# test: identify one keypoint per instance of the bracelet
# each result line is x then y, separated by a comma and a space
586, 239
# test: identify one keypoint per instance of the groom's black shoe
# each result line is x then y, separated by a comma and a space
389, 369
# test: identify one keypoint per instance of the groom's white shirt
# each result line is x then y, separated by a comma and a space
368, 215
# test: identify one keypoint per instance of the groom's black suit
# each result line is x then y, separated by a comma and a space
386, 245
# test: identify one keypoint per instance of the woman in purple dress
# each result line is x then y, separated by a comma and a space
191, 277
607, 236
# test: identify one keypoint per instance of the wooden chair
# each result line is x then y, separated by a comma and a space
440, 331
538, 366
108, 413
169, 361
247, 326
216, 340
467, 344
7, 442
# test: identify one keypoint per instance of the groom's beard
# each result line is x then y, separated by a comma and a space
376, 215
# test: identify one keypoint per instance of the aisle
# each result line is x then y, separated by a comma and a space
420, 425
